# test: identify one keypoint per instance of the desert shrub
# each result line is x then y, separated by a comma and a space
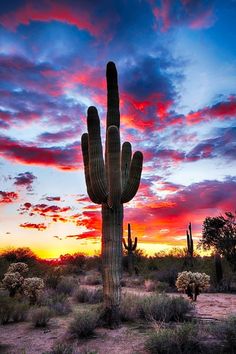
150, 285
19, 267
164, 308
91, 296
62, 348
93, 279
66, 285
84, 323
58, 303
225, 332
168, 276
12, 310
41, 316
181, 340
13, 282
32, 288
130, 308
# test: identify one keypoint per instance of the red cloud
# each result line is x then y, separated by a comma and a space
39, 227
48, 11
86, 234
64, 158
8, 197
51, 211
221, 110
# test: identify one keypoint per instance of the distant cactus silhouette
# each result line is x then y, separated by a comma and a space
130, 246
189, 241
110, 183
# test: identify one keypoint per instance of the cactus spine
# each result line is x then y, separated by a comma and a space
110, 183
130, 246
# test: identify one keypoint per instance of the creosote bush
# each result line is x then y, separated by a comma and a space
41, 316
62, 348
130, 309
181, 340
91, 296
84, 323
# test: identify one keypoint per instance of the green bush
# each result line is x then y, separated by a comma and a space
12, 310
41, 316
84, 323
180, 340
164, 308
91, 296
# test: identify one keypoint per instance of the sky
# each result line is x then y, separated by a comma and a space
176, 62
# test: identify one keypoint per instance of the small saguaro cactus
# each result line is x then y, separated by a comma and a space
110, 183
189, 241
130, 246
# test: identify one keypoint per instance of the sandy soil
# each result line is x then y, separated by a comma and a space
21, 338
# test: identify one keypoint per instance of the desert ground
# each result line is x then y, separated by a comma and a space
17, 338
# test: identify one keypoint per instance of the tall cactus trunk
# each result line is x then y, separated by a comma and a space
112, 232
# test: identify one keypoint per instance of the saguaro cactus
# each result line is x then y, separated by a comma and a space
110, 183
130, 246
189, 241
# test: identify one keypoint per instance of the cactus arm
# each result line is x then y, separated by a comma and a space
125, 162
124, 243
135, 244
134, 177
114, 171
113, 113
188, 241
96, 163
84, 144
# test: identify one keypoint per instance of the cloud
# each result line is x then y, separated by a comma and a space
63, 158
222, 110
25, 179
86, 235
193, 14
52, 199
53, 212
8, 197
62, 11
39, 227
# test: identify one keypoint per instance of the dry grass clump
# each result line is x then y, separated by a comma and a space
154, 307
164, 308
183, 339
93, 279
12, 310
225, 332
84, 323
150, 285
131, 306
91, 296
41, 316
62, 348
66, 285
58, 303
